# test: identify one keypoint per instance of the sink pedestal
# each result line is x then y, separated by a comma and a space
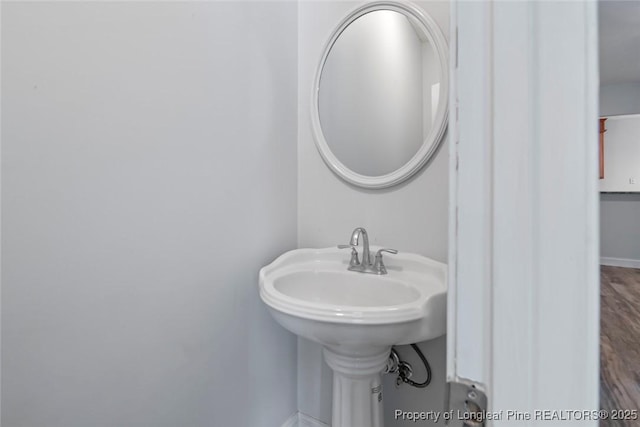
357, 385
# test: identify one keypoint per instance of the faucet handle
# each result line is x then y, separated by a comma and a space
354, 261
391, 251
378, 265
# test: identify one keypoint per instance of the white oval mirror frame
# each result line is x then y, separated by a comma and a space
434, 138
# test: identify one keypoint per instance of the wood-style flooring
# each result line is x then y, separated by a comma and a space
619, 342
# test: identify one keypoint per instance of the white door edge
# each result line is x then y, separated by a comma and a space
523, 308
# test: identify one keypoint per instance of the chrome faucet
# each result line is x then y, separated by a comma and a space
355, 236
366, 266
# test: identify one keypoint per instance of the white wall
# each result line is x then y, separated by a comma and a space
620, 229
619, 213
411, 217
617, 99
148, 171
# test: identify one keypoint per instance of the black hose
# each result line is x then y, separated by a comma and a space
427, 367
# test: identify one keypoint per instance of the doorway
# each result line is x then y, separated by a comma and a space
619, 61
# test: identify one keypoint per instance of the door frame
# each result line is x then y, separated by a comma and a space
523, 303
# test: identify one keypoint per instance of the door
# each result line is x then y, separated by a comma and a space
523, 303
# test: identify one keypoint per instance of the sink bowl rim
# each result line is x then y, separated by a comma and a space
347, 314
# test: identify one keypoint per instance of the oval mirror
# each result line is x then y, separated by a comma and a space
380, 99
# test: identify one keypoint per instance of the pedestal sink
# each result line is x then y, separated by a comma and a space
356, 317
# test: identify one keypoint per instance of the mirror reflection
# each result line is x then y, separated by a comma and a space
379, 92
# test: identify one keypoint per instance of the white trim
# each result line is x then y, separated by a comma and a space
302, 420
430, 145
620, 262
526, 244
0, 233
307, 421
621, 116
292, 421
470, 220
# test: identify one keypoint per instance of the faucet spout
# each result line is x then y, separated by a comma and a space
355, 236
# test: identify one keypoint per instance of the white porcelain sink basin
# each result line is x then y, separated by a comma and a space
311, 293
347, 290
357, 317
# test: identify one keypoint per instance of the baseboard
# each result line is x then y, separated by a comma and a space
292, 421
307, 421
302, 420
620, 262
